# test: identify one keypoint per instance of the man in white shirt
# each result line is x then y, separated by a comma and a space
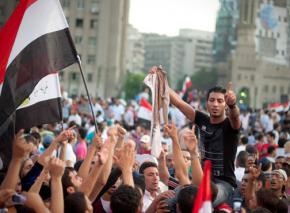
151, 176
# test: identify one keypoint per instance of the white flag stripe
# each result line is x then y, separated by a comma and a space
206, 207
47, 88
42, 17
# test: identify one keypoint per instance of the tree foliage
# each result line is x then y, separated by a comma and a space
204, 79
133, 84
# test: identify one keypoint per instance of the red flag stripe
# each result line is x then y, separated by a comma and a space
8, 34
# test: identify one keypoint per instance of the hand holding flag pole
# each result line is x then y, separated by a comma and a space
87, 91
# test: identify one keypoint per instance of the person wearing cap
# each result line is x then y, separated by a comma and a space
145, 147
278, 183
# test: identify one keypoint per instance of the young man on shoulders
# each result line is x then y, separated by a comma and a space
219, 133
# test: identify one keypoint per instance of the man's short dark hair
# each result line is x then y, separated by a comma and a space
271, 134
82, 133
242, 159
75, 202
267, 199
271, 149
186, 197
244, 140
260, 210
66, 180
126, 199
216, 89
252, 150
139, 182
146, 165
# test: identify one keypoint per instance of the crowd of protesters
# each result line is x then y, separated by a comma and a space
69, 168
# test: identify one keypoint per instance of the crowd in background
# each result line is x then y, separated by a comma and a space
68, 168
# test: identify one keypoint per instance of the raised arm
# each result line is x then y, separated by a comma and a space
191, 143
233, 109
20, 150
56, 170
89, 182
85, 167
181, 169
162, 168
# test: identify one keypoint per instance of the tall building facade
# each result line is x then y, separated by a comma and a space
198, 50
99, 30
225, 37
165, 51
135, 51
180, 55
259, 65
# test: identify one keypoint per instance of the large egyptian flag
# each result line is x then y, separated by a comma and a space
35, 43
202, 203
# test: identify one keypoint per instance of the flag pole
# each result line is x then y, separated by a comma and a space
87, 91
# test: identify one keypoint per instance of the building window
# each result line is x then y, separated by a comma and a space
78, 39
283, 52
91, 59
79, 22
239, 77
274, 89
266, 88
90, 77
66, 3
93, 41
252, 78
94, 23
74, 76
281, 90
80, 4
278, 35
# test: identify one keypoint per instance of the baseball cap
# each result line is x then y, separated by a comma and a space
47, 140
281, 173
145, 139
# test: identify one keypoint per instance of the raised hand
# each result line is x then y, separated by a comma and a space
171, 130
230, 96
126, 158
121, 132
5, 195
97, 141
66, 135
190, 140
21, 148
56, 168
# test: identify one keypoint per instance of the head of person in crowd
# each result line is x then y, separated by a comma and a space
70, 181
244, 140
77, 202
37, 137
26, 166
82, 134
145, 145
260, 138
252, 152
268, 199
165, 147
271, 151
270, 138
151, 176
216, 104
261, 182
185, 199
242, 159
266, 165
278, 181
31, 140
169, 161
187, 158
126, 199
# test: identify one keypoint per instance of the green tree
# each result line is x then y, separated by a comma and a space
133, 84
204, 79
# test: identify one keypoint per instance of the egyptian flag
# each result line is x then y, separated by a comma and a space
35, 43
202, 203
144, 113
185, 87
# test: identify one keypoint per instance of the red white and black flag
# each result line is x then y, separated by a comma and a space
35, 43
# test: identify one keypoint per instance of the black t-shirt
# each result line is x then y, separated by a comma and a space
218, 143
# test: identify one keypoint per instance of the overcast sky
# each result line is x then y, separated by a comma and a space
168, 16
